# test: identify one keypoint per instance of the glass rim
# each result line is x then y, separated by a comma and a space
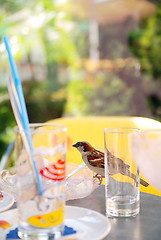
116, 130
58, 127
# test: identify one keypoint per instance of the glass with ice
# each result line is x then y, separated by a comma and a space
147, 154
41, 216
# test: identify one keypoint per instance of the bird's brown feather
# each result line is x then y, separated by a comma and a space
96, 158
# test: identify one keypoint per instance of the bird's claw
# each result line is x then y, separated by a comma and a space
99, 177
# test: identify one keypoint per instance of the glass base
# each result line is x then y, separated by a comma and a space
43, 234
122, 213
121, 206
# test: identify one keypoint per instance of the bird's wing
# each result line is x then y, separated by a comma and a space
96, 158
113, 161
121, 163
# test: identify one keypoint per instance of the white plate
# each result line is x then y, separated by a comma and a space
89, 224
6, 202
10, 216
11, 220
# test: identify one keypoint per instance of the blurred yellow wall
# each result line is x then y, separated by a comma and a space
91, 129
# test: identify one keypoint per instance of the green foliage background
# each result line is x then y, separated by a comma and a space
45, 99
68, 88
145, 43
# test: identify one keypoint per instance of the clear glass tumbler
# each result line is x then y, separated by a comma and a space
121, 173
41, 215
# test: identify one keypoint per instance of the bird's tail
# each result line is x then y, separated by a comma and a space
144, 183
133, 176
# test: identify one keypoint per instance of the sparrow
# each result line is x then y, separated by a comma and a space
94, 159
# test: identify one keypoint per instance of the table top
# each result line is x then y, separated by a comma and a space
146, 226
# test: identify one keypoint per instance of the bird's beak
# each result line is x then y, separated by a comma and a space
75, 145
